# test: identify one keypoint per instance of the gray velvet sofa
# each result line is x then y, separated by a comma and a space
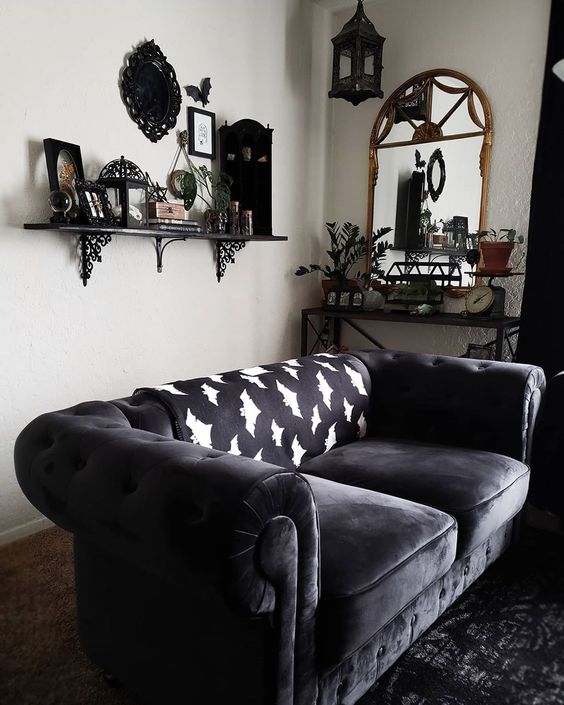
280, 535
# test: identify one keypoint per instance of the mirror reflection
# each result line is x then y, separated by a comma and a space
429, 163
151, 91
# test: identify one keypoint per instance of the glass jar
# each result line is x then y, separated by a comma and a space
247, 223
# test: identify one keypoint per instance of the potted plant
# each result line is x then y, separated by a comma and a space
496, 248
215, 193
348, 246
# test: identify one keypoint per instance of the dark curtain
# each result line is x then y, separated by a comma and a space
541, 338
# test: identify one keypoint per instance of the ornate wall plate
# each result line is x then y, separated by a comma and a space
150, 91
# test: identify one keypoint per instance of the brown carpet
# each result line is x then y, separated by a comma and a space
40, 658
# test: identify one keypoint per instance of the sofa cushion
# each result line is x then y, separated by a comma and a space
377, 554
284, 413
481, 490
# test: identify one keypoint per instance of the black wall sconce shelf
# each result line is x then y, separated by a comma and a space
93, 237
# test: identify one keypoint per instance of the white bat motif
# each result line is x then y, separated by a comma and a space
169, 388
325, 389
361, 425
249, 411
291, 372
348, 410
324, 355
234, 449
328, 365
201, 431
297, 452
254, 371
292, 363
258, 456
290, 399
254, 380
277, 434
210, 393
218, 379
356, 379
331, 438
315, 419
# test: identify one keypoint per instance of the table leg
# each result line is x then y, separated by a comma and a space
337, 332
499, 339
303, 342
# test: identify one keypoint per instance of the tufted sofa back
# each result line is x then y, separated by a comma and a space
285, 413
453, 401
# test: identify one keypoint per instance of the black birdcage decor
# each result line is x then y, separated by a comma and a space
126, 186
357, 60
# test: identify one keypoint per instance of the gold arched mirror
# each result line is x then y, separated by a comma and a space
429, 167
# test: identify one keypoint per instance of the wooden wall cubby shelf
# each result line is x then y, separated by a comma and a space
93, 237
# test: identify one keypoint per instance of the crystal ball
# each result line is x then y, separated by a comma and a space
60, 201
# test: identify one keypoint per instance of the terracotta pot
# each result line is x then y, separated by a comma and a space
495, 255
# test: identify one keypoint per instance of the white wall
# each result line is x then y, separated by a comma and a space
63, 343
501, 44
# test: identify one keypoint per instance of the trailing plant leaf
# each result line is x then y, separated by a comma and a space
188, 187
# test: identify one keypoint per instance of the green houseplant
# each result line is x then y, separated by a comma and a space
347, 248
214, 192
496, 248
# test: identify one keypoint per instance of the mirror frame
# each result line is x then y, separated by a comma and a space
150, 53
421, 102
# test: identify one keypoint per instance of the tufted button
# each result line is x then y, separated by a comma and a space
466, 569
442, 594
381, 651
437, 361
488, 551
413, 619
129, 485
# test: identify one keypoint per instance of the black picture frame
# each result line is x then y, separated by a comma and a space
150, 91
61, 157
435, 190
480, 352
201, 133
94, 203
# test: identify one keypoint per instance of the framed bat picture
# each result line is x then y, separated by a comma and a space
64, 168
201, 133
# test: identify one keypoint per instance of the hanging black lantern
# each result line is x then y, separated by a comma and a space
126, 186
357, 60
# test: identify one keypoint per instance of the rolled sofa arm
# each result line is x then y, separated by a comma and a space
179, 510
454, 401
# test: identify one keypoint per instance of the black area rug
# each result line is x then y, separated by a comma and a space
501, 643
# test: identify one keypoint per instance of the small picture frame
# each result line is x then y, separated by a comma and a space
480, 352
94, 203
201, 133
64, 168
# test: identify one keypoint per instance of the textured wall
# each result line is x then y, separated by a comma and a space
501, 44
63, 343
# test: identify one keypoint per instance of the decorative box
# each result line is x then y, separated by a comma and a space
162, 209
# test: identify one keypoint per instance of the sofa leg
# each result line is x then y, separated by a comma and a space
112, 681
517, 528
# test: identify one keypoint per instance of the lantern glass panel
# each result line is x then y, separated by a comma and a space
369, 55
345, 62
137, 210
114, 199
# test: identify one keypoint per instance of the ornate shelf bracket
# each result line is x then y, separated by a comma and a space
90, 252
160, 248
225, 254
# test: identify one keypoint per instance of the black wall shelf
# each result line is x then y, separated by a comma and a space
93, 237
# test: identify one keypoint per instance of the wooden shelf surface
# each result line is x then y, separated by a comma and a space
76, 229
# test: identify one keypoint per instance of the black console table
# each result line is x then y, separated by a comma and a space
504, 327
93, 237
